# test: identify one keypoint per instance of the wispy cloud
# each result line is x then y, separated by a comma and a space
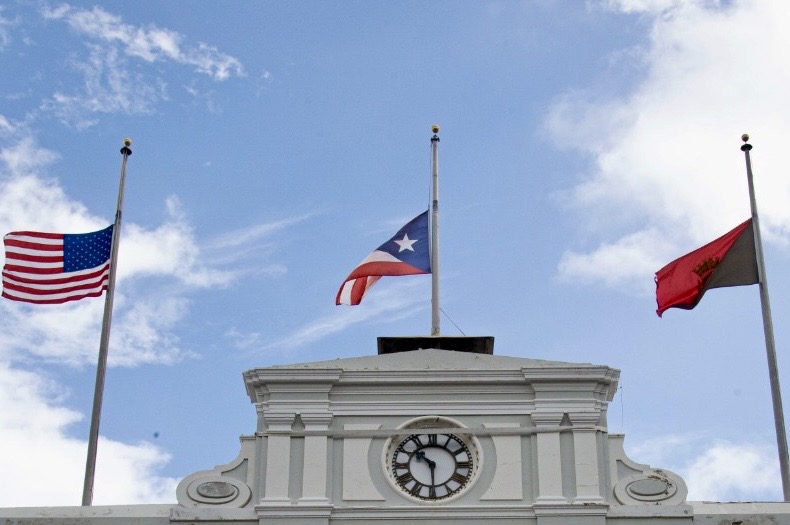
246, 249
108, 87
147, 43
109, 83
253, 234
243, 341
395, 300
5, 35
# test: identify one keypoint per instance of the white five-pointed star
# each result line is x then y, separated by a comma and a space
405, 243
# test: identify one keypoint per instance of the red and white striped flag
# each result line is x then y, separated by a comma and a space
51, 268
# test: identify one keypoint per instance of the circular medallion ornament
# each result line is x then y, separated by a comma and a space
433, 463
216, 490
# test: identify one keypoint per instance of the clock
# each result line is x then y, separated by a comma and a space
432, 464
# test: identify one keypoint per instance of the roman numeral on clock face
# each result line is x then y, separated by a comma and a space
416, 440
458, 478
405, 478
400, 466
415, 490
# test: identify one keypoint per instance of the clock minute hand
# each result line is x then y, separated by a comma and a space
420, 455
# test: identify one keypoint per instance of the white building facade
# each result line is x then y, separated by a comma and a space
428, 436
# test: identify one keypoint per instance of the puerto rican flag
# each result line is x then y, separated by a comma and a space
406, 253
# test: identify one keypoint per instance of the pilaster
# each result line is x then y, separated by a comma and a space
316, 454
278, 458
549, 458
585, 448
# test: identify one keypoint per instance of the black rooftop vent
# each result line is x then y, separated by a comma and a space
473, 345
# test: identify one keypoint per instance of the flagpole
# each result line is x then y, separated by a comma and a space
101, 367
435, 331
770, 345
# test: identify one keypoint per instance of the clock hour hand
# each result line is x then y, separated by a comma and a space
420, 455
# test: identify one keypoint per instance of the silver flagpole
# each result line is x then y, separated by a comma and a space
101, 368
768, 328
435, 232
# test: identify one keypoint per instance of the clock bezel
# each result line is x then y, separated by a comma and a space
447, 425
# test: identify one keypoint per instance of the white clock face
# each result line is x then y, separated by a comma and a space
432, 466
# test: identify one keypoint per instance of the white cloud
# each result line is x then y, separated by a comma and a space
35, 426
618, 265
170, 249
109, 83
108, 87
666, 162
150, 44
734, 472
22, 158
715, 470
144, 333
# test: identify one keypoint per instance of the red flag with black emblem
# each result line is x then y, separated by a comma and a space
730, 260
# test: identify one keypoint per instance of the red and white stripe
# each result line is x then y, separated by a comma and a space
368, 272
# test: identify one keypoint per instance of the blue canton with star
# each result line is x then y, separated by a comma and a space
411, 244
86, 250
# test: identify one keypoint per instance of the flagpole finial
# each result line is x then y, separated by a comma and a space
126, 150
745, 139
435, 128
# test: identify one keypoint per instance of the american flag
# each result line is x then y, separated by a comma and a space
51, 268
406, 253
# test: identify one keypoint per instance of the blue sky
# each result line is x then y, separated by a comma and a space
583, 146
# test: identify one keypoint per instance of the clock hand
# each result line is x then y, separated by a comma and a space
420, 455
